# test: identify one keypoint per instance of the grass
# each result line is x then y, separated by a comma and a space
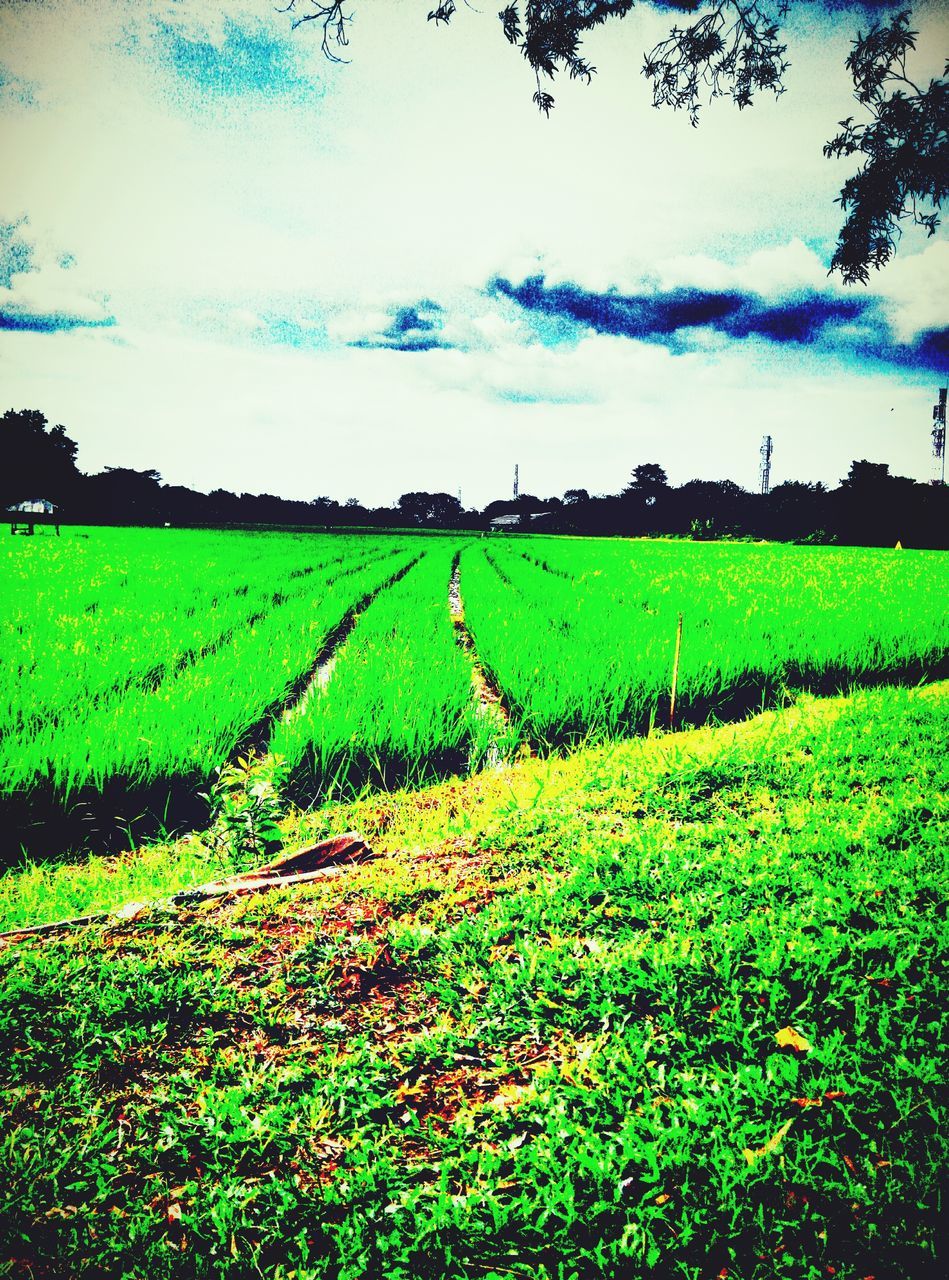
669, 1008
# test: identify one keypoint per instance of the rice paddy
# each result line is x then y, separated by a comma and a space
138, 663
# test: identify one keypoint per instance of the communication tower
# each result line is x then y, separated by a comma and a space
939, 438
517, 488
764, 469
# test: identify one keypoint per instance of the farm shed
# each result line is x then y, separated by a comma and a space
26, 515
515, 521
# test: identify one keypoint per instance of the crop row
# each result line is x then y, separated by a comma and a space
182, 727
400, 701
86, 634
581, 635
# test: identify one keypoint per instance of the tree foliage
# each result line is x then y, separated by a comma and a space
38, 461
905, 146
734, 49
433, 509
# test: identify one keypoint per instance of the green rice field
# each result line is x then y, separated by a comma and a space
139, 662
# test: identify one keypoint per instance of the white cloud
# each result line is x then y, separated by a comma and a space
915, 289
47, 295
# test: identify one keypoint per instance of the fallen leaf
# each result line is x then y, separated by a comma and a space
771, 1145
788, 1038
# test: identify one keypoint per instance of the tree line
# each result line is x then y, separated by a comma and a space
869, 507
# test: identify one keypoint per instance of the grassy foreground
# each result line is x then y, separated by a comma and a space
671, 1008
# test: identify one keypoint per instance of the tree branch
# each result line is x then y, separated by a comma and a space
905, 175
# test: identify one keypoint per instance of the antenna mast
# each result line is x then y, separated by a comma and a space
939, 438
517, 488
764, 469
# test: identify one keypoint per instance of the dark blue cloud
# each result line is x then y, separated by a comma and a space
52, 322
244, 62
413, 328
853, 326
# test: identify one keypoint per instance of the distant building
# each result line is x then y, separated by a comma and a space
27, 511
515, 521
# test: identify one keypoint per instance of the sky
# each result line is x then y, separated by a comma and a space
226, 258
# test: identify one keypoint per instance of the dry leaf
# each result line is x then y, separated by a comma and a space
771, 1145
788, 1038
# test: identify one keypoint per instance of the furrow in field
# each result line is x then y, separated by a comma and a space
317, 674
143, 760
399, 707
180, 661
487, 694
547, 567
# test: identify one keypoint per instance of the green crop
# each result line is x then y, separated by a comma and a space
139, 662
399, 700
581, 633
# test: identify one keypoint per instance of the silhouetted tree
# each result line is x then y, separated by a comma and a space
649, 481
733, 48
905, 143
119, 495
708, 508
794, 511
874, 508
431, 509
37, 462
572, 496
181, 505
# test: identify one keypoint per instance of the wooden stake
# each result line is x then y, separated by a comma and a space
675, 675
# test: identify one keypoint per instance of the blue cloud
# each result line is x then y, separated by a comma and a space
244, 62
413, 328
12, 318
17, 258
285, 331
853, 326
16, 255
15, 90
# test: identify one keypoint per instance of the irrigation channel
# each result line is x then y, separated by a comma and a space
488, 698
